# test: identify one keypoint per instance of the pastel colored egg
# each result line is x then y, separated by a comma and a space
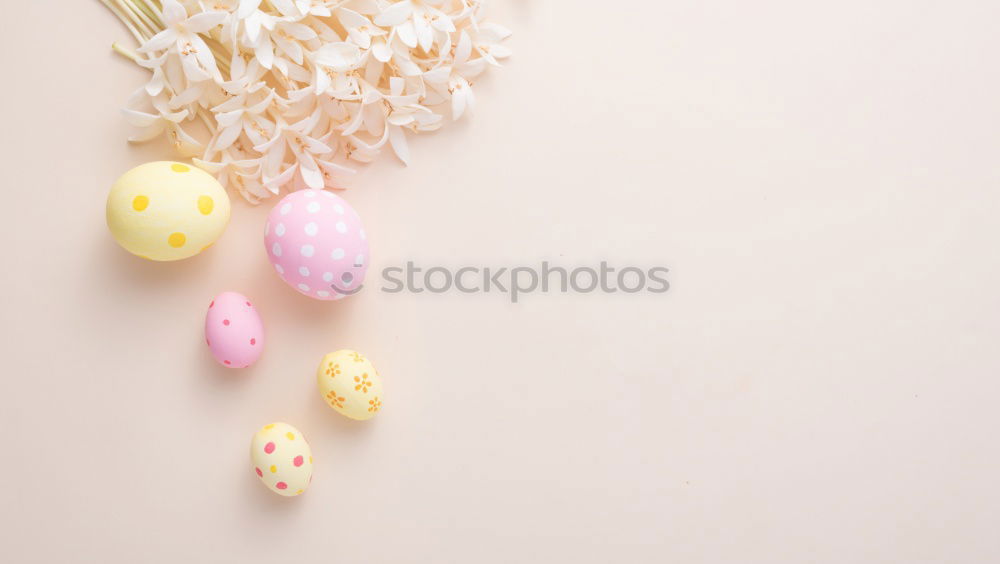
282, 459
317, 244
350, 384
234, 331
166, 210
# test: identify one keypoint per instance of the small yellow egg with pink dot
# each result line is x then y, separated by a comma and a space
282, 459
166, 210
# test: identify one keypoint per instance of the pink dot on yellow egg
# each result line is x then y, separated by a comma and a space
176, 240
205, 205
177, 167
140, 203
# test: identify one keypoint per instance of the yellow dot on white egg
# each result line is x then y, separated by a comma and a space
290, 436
274, 468
140, 203
271, 426
205, 205
178, 167
176, 240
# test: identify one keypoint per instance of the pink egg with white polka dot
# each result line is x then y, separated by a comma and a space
317, 244
233, 330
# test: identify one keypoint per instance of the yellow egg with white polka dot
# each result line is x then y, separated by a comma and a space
166, 210
349, 384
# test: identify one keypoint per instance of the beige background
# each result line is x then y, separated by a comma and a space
820, 384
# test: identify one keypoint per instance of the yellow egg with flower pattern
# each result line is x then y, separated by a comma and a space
166, 210
350, 384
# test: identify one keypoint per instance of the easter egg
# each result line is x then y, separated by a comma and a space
349, 384
317, 244
166, 211
282, 459
233, 330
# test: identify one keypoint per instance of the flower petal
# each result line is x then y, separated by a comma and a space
161, 40
463, 49
340, 56
395, 14
351, 19
253, 24
312, 176
227, 136
382, 52
298, 31
407, 34
246, 8
397, 140
151, 132
200, 23
173, 12
457, 103
264, 52
139, 119
425, 36
439, 75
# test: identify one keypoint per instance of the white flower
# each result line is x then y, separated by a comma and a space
278, 38
340, 56
487, 39
152, 125
241, 175
236, 115
359, 28
418, 22
305, 148
181, 32
289, 89
454, 78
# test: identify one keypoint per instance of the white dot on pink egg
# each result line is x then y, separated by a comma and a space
327, 234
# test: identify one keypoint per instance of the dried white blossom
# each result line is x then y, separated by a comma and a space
287, 88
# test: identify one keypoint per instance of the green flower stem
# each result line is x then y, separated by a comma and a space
124, 52
141, 20
151, 13
125, 19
